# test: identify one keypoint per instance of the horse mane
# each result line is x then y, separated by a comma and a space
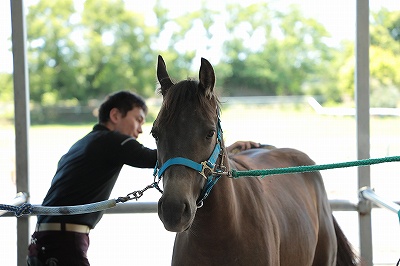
184, 94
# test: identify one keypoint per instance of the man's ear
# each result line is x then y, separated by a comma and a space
114, 115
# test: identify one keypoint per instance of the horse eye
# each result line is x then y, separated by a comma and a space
211, 134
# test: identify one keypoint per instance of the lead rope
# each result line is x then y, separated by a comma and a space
27, 208
311, 168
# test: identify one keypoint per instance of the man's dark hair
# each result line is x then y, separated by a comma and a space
124, 101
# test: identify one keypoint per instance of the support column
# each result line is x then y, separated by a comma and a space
361, 80
21, 118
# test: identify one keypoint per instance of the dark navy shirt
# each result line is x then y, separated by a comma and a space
88, 171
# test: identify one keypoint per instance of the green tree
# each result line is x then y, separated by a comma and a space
78, 56
52, 53
6, 90
289, 53
117, 50
384, 61
175, 32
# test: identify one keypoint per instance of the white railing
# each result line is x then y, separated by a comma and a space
368, 194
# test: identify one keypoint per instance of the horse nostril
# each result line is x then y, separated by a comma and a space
186, 208
174, 212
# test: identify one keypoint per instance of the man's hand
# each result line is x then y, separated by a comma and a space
241, 146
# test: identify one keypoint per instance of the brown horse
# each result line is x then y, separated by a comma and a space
276, 220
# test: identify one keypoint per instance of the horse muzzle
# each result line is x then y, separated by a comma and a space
176, 214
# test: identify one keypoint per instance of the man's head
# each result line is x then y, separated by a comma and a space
123, 111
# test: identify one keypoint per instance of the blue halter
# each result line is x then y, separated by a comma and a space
209, 165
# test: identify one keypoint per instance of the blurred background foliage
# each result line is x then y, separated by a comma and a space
77, 55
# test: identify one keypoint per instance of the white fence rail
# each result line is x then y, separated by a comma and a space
368, 194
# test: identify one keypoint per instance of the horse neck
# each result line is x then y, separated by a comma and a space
218, 210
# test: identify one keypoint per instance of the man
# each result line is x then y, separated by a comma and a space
87, 173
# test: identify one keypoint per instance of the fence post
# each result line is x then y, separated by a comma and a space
22, 118
361, 85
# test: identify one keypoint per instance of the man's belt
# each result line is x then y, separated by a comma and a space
77, 228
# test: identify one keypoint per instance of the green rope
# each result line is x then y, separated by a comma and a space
312, 168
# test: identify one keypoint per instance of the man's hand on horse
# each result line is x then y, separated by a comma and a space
239, 146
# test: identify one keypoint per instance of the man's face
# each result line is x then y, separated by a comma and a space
132, 123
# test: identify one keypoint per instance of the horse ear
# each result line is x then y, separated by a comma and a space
206, 76
162, 76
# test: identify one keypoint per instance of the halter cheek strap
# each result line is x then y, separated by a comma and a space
209, 165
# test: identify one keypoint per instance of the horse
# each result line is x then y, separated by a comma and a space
219, 220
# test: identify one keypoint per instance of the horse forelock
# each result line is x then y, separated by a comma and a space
186, 94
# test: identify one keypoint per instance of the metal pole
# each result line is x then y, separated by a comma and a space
369, 194
22, 118
361, 80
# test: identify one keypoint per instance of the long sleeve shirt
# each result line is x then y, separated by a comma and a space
88, 171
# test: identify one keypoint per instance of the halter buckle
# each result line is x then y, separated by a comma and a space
205, 167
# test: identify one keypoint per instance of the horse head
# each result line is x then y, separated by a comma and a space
189, 144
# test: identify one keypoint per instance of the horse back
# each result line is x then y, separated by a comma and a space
308, 184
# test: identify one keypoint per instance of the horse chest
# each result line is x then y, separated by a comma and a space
230, 243
232, 252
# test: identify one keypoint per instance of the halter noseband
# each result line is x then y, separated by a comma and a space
213, 174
